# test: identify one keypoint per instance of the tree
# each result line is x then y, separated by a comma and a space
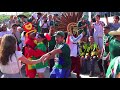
4, 17
28, 14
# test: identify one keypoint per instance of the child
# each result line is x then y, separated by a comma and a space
40, 67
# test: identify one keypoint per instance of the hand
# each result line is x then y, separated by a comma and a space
42, 59
55, 59
100, 56
107, 57
70, 34
118, 75
45, 57
106, 16
83, 33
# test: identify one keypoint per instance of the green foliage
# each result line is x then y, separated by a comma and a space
4, 18
28, 14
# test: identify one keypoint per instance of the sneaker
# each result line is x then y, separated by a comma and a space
101, 75
78, 76
91, 74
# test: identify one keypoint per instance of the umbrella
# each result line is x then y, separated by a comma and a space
22, 16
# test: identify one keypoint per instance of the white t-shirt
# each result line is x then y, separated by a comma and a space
17, 35
45, 25
5, 32
98, 29
12, 66
73, 46
23, 41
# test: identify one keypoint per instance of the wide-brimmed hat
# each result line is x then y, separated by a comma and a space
114, 33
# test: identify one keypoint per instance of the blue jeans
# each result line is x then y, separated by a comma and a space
92, 64
52, 62
85, 65
60, 73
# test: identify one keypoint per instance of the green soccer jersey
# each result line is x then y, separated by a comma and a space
42, 47
114, 68
38, 27
114, 47
52, 43
106, 44
82, 24
63, 59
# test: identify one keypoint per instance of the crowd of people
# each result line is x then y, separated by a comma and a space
38, 44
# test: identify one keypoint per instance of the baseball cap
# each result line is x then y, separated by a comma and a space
85, 17
59, 33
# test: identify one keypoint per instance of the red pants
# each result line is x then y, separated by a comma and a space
30, 73
75, 65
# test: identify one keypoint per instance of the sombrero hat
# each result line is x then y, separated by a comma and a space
28, 28
117, 32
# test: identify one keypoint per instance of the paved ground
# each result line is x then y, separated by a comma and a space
73, 75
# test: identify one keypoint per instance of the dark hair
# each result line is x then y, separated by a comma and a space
45, 21
3, 25
1, 29
24, 33
39, 13
107, 27
93, 20
97, 15
117, 17
14, 25
91, 37
43, 36
7, 49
